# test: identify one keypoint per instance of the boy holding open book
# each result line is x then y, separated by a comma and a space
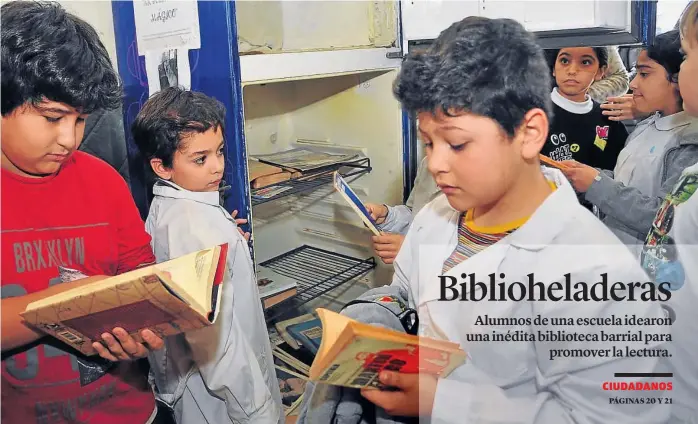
481, 95
63, 208
223, 373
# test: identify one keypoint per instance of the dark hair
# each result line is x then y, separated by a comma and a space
48, 53
488, 67
666, 51
169, 116
600, 52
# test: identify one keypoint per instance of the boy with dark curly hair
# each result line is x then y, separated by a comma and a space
482, 98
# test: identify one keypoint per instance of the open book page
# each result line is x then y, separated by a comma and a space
94, 287
190, 277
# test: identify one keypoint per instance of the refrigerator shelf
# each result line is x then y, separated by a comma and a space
317, 272
310, 181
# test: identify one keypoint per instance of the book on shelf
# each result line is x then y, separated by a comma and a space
263, 175
168, 298
282, 328
307, 333
274, 287
352, 354
305, 159
353, 200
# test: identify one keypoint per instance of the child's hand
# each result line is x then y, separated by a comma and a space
239, 222
581, 176
387, 246
378, 212
621, 108
120, 346
414, 397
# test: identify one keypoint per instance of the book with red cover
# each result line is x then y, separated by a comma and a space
171, 297
352, 354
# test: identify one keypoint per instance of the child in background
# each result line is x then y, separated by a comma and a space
578, 129
224, 373
675, 232
656, 153
615, 80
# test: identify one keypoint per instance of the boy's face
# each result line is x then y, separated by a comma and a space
471, 159
576, 68
688, 76
652, 90
37, 140
198, 164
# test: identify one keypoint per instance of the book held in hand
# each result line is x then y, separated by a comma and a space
348, 194
168, 298
352, 354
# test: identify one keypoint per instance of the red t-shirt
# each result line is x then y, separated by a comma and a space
83, 218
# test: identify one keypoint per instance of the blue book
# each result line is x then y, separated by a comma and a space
348, 194
308, 333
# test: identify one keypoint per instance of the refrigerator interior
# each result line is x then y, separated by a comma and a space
342, 113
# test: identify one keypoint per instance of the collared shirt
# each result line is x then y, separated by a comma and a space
223, 373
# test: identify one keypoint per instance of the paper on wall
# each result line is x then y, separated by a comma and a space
167, 68
166, 24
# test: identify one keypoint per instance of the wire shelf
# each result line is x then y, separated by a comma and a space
317, 272
310, 181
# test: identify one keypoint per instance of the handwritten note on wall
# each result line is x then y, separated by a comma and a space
166, 24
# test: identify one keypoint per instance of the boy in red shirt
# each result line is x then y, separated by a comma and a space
62, 208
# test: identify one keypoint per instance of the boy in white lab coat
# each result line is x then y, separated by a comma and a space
481, 94
224, 373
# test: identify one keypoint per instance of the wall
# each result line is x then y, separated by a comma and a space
98, 14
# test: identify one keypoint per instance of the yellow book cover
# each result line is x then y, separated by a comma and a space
352, 354
168, 298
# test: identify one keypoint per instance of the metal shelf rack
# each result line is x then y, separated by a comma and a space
317, 272
311, 181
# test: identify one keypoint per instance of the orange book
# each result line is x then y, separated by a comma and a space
555, 164
352, 354
168, 298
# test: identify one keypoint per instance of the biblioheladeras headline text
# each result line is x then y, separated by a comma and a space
496, 288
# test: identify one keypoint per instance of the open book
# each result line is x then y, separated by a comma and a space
171, 297
352, 354
353, 200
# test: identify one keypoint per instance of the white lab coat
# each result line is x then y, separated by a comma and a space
224, 373
515, 382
